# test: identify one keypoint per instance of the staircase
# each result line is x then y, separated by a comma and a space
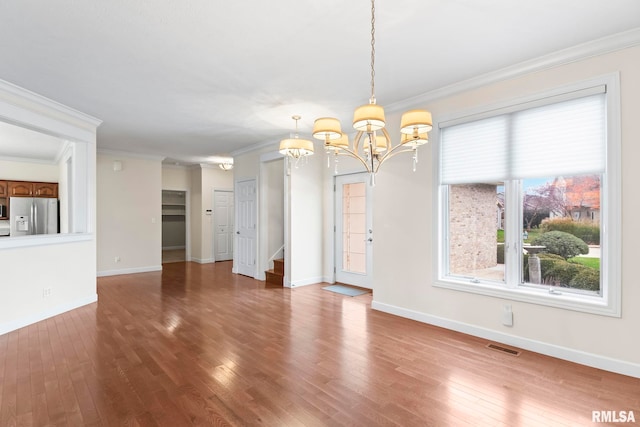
275, 276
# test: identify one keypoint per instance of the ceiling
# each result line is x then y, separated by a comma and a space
193, 80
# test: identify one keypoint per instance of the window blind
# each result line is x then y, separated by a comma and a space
561, 138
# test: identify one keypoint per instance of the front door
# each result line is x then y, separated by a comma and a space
354, 230
246, 218
223, 229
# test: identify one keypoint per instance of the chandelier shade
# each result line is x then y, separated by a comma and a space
380, 146
414, 141
327, 128
368, 118
416, 122
337, 144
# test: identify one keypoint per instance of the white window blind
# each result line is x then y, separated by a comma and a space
561, 138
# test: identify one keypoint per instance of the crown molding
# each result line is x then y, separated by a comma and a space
28, 160
565, 56
119, 153
253, 147
22, 93
174, 166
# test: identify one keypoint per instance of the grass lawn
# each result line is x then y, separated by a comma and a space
589, 262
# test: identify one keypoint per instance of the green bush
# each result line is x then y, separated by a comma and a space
587, 278
560, 243
588, 232
556, 271
562, 272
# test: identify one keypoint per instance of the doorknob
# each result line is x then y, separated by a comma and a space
369, 239
237, 232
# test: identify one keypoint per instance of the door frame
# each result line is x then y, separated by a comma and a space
213, 222
366, 280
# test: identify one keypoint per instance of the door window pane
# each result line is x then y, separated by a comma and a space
354, 232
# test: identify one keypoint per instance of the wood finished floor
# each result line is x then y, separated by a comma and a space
197, 345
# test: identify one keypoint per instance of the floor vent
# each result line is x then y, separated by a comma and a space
503, 349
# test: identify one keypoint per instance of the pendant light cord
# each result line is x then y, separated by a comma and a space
372, 100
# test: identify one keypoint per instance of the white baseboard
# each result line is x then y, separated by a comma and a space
203, 261
305, 282
37, 317
129, 271
565, 353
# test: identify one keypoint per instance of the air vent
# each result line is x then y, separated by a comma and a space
506, 350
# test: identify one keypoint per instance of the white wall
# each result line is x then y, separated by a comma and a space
176, 178
404, 219
65, 265
129, 214
306, 216
28, 171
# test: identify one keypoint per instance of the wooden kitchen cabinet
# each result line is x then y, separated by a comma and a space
32, 189
20, 188
45, 189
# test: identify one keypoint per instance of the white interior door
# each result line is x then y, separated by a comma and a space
354, 230
246, 215
223, 229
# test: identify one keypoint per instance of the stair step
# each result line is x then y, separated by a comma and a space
278, 266
274, 279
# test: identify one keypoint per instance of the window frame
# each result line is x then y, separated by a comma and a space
609, 302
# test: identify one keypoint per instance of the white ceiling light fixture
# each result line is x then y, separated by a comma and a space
295, 147
227, 166
369, 122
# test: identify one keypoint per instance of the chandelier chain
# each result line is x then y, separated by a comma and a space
372, 100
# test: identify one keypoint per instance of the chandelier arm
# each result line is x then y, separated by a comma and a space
356, 141
391, 153
351, 153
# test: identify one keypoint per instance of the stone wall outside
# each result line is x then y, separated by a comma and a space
472, 227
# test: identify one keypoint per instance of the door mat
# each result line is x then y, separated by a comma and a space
346, 290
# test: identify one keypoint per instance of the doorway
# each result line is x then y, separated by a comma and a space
223, 225
174, 226
354, 230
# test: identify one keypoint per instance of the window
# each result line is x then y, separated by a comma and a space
527, 198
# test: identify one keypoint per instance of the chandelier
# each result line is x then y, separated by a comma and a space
372, 144
295, 147
226, 166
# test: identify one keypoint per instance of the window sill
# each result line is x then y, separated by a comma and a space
567, 301
42, 240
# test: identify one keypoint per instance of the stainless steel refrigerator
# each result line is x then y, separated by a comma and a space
33, 215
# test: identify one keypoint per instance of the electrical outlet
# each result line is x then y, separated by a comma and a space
507, 315
117, 259
46, 292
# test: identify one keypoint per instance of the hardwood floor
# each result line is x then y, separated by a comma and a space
197, 345
173, 255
